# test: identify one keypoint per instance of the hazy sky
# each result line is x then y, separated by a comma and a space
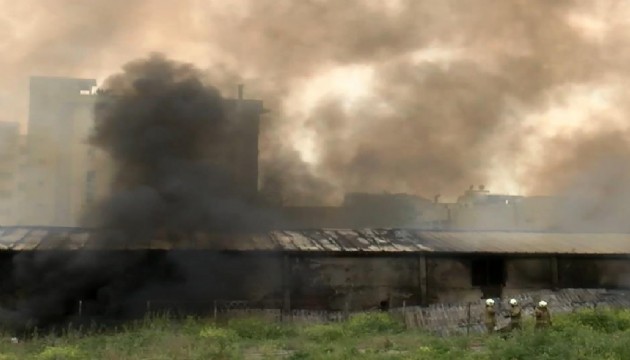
411, 96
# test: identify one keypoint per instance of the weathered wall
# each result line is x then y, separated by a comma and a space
182, 279
449, 280
359, 282
528, 273
356, 283
594, 273
231, 276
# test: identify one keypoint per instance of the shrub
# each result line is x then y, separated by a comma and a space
373, 323
60, 353
8, 357
605, 321
218, 334
255, 328
324, 332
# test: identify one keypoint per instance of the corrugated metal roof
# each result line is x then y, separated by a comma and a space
326, 240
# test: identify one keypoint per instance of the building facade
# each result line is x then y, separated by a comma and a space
334, 269
60, 117
10, 161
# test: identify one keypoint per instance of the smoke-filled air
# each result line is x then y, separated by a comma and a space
421, 97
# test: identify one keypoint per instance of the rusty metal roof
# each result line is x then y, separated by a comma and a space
327, 240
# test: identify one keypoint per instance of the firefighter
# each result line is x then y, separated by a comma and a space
515, 315
543, 318
490, 318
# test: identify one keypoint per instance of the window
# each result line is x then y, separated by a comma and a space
488, 271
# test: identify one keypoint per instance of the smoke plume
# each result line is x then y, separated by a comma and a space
423, 97
169, 137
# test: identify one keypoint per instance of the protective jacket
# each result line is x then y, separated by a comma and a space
543, 317
490, 318
515, 317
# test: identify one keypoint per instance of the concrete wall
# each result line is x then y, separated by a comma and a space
60, 115
450, 279
528, 273
593, 272
9, 166
361, 282
356, 282
365, 282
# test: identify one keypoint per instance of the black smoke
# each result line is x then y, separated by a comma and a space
170, 138
172, 141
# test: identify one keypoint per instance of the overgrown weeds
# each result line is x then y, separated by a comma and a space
588, 334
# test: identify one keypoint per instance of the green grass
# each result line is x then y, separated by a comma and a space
583, 335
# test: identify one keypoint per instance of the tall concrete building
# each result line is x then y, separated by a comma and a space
242, 160
60, 117
9, 169
64, 175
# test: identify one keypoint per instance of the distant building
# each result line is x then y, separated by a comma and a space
385, 210
478, 209
9, 170
65, 176
242, 144
60, 117
363, 210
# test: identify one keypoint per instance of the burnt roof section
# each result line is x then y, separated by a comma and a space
328, 241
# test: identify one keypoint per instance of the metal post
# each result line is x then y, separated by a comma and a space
555, 273
286, 284
468, 320
80, 308
404, 313
149, 306
215, 311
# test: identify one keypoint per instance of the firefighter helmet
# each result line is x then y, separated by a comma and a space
489, 302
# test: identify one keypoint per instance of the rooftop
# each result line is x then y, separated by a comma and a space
326, 241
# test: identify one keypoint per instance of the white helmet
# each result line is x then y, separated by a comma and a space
489, 302
513, 302
542, 303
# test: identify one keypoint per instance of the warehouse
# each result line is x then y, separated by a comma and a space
341, 269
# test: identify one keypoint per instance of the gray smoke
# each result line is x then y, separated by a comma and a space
445, 115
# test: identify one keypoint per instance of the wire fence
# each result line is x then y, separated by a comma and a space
445, 319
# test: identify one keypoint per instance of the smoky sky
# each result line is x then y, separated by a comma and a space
456, 92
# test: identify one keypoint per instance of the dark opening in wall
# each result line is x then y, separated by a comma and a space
488, 271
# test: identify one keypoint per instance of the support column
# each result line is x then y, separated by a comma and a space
422, 280
286, 283
555, 273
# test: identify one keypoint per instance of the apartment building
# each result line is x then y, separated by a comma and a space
9, 170
58, 165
